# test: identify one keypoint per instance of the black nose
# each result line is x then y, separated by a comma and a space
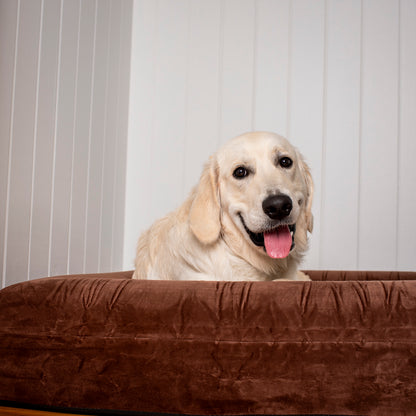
277, 207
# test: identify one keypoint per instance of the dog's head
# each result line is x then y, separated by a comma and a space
257, 190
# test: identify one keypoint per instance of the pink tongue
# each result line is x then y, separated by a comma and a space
278, 242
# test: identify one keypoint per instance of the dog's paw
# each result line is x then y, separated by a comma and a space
302, 276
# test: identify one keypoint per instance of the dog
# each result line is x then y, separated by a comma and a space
247, 219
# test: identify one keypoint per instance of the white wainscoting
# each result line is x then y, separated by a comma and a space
64, 79
336, 77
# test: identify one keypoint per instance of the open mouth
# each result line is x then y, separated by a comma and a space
277, 242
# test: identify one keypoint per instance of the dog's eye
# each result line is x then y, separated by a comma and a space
285, 162
240, 173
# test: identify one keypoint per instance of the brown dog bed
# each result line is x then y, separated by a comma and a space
343, 344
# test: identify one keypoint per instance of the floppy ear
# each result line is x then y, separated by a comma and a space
309, 184
204, 215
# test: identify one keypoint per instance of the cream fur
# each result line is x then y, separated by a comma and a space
204, 239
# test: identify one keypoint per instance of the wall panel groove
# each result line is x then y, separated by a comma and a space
323, 166
71, 198
64, 148
53, 146
89, 166
220, 72
287, 132
399, 138
9, 38
360, 135
35, 136
406, 246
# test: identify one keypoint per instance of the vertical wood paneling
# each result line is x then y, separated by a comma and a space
203, 88
339, 216
43, 161
142, 119
271, 65
324, 73
122, 122
96, 160
307, 67
22, 141
81, 146
237, 83
110, 145
8, 32
406, 245
64, 82
170, 105
336, 77
64, 140
379, 135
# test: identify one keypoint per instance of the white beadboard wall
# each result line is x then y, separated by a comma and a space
334, 76
64, 90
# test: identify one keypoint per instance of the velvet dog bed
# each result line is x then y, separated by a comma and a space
343, 344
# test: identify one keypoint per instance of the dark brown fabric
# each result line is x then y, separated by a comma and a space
353, 275
109, 342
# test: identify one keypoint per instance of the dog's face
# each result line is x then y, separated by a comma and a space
263, 189
260, 184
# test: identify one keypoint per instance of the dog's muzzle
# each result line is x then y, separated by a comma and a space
276, 242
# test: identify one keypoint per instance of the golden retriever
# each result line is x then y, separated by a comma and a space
247, 219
